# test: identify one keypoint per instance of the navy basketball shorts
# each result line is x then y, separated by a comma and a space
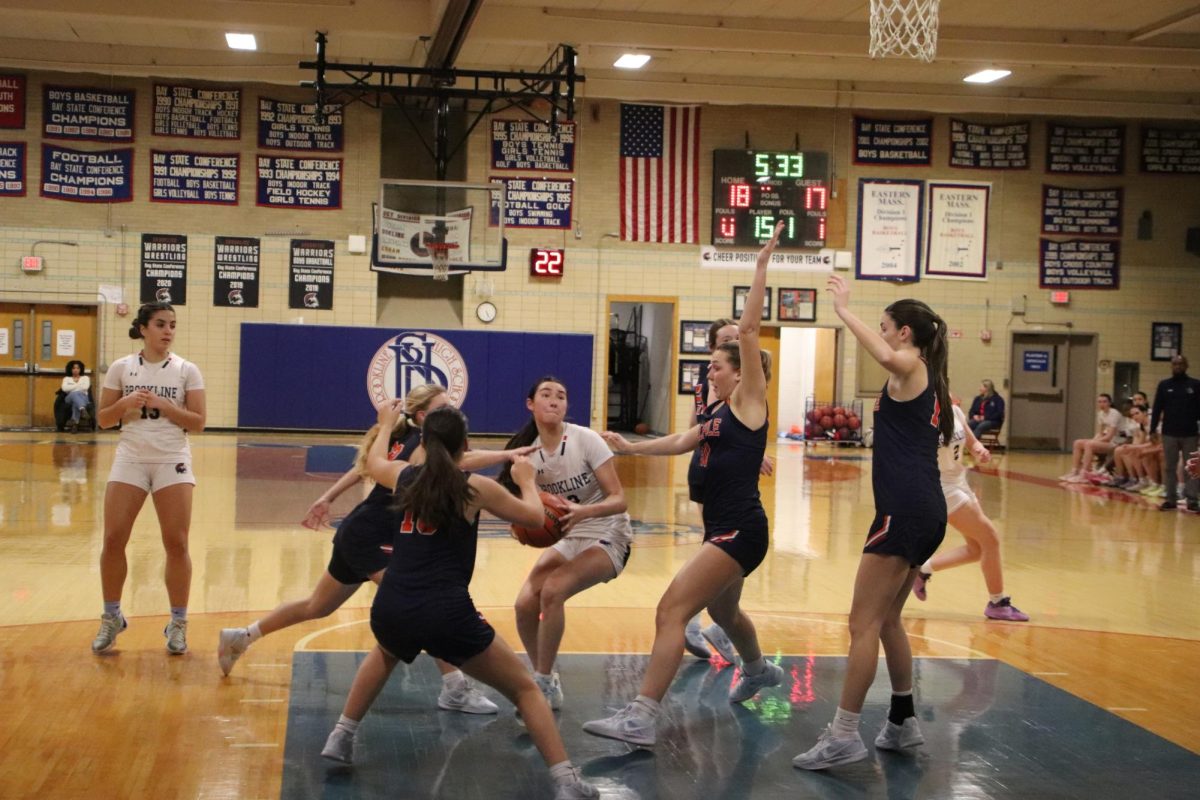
449, 628
356, 558
914, 539
746, 545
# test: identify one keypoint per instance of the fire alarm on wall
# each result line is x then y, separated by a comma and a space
985, 335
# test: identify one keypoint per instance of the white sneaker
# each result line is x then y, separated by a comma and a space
576, 789
830, 751
176, 633
110, 626
746, 686
1068, 476
899, 737
230, 646
1080, 478
552, 689
339, 746
693, 640
465, 698
627, 725
715, 635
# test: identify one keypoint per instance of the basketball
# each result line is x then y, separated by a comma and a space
839, 419
553, 508
853, 422
827, 422
839, 410
814, 415
641, 429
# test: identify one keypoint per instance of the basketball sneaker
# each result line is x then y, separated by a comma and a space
830, 751
576, 788
899, 737
693, 639
1068, 476
552, 689
230, 646
920, 585
176, 633
339, 746
746, 686
627, 725
1005, 610
465, 698
715, 635
111, 625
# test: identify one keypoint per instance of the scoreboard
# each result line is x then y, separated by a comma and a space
755, 189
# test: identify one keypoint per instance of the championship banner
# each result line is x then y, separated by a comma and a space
957, 244
888, 247
293, 126
236, 265
1165, 151
100, 176
975, 145
300, 183
181, 177
85, 113
535, 202
310, 279
1085, 150
12, 169
402, 236
893, 142
197, 112
12, 101
529, 145
1079, 264
164, 268
1086, 212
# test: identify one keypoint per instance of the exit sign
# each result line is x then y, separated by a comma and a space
31, 263
1060, 298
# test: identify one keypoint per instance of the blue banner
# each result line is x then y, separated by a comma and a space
197, 112
1086, 212
1036, 361
1079, 264
1171, 150
977, 145
529, 145
99, 176
299, 183
293, 126
12, 169
893, 142
180, 177
85, 113
1085, 150
535, 202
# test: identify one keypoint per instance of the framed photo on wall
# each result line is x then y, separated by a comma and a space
797, 305
693, 337
1166, 340
690, 374
739, 302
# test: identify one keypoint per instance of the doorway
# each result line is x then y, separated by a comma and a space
807, 367
37, 340
641, 358
1126, 376
1053, 390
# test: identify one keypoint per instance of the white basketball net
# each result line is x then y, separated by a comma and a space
904, 28
440, 256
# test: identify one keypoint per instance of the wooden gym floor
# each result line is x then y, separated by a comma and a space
1110, 582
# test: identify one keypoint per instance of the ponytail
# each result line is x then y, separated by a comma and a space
526, 436
929, 334
440, 492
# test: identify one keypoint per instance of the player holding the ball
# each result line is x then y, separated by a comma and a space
579, 484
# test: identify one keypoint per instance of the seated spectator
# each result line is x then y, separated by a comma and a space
1137, 429
987, 410
76, 391
1108, 422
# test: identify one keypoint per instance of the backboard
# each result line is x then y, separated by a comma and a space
410, 215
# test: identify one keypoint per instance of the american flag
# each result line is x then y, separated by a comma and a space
660, 171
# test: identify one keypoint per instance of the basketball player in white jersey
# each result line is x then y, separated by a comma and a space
574, 463
157, 398
965, 514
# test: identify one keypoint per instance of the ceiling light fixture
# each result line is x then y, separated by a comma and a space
987, 76
632, 61
241, 41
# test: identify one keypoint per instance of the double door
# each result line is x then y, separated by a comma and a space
37, 341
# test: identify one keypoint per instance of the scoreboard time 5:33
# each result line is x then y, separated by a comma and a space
754, 189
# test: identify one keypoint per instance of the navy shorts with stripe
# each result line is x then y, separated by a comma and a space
747, 545
447, 626
914, 539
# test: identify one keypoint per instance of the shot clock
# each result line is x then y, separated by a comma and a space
545, 262
754, 189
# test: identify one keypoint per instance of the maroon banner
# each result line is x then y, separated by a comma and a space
12, 101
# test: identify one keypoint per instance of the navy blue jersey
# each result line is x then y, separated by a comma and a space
426, 561
904, 468
375, 519
701, 398
723, 474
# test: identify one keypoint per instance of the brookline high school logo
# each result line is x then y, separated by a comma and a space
413, 359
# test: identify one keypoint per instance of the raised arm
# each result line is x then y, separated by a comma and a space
381, 470
673, 445
524, 510
898, 363
749, 399
482, 459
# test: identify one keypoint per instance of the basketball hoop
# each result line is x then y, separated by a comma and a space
439, 253
904, 28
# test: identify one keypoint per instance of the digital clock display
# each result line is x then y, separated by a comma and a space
546, 263
755, 189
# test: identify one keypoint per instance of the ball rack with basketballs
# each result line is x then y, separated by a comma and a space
839, 423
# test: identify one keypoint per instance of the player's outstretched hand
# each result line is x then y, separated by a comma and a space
616, 442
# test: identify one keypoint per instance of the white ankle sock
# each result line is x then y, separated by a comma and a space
647, 705
927, 567
453, 680
845, 723
253, 634
348, 724
996, 598
756, 667
564, 772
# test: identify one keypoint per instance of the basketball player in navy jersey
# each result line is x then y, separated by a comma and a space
912, 415
158, 399
423, 601
729, 448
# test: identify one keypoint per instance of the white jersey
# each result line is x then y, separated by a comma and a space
146, 436
950, 456
569, 471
